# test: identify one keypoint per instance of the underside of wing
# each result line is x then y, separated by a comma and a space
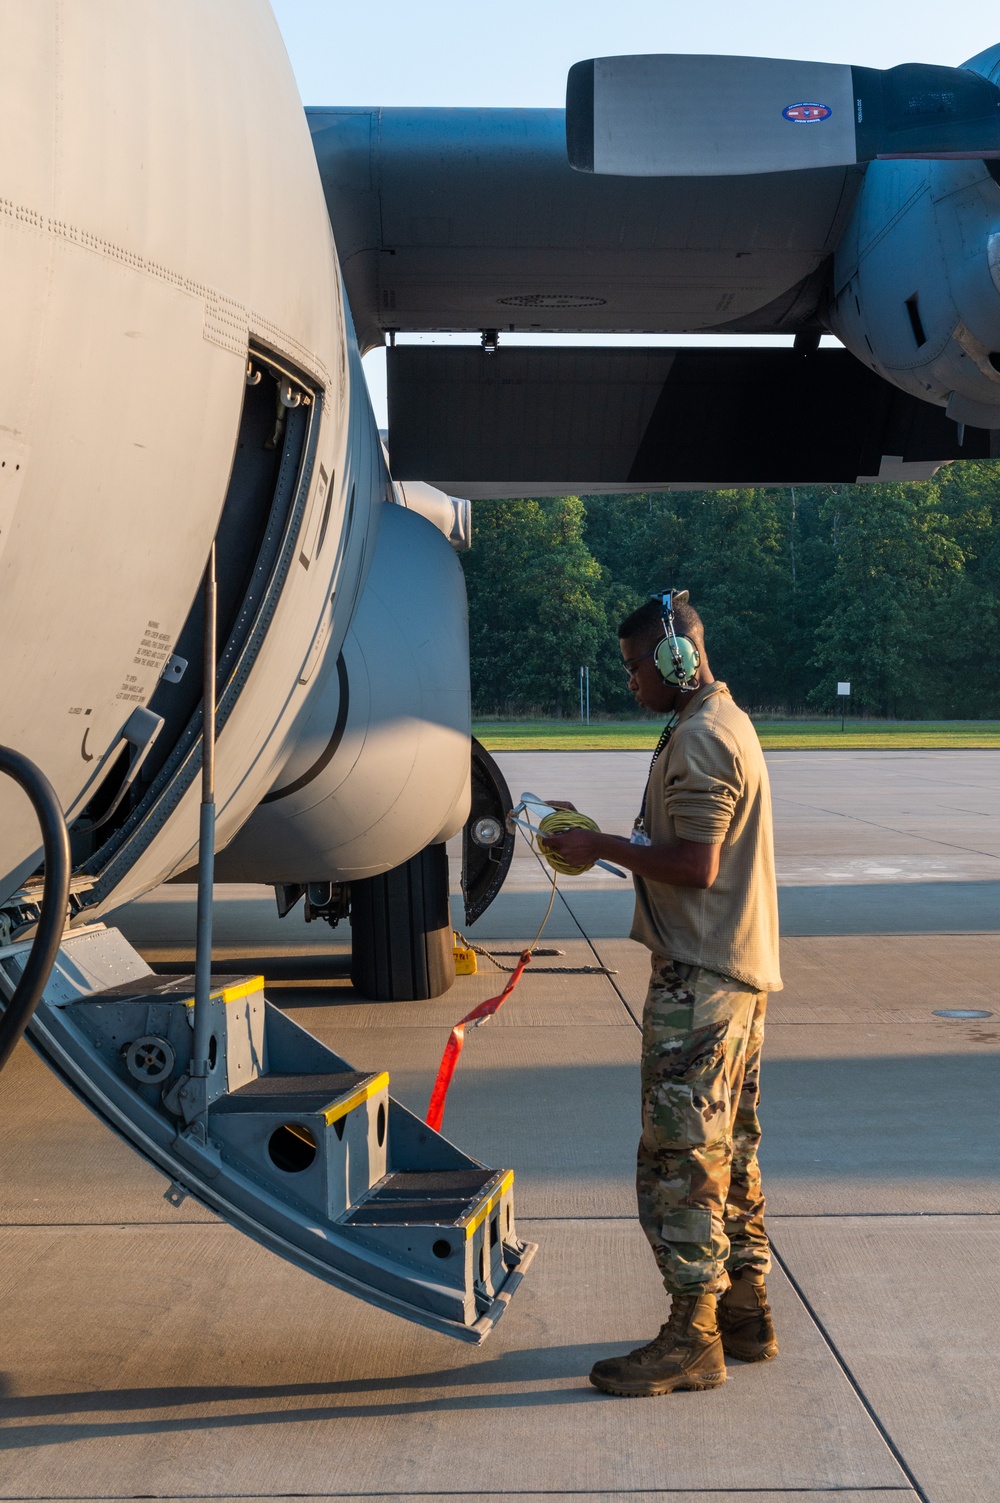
531, 422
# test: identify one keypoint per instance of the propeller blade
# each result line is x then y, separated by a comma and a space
693, 116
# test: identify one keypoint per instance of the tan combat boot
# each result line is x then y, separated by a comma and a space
686, 1354
745, 1318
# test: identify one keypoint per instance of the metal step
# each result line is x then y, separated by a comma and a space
448, 1198
282, 1139
142, 1028
458, 1221
323, 1137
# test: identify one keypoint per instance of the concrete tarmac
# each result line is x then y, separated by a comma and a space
153, 1352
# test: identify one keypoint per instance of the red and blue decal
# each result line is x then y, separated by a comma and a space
807, 114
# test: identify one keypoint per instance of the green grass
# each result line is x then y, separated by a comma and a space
775, 735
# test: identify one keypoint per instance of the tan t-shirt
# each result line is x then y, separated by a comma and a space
711, 785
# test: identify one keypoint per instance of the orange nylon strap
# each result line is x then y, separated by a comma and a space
453, 1048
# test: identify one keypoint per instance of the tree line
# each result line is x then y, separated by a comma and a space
895, 588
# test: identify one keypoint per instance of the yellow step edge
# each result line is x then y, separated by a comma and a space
488, 1205
229, 994
363, 1093
245, 989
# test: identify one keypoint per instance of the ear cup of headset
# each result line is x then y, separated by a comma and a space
689, 655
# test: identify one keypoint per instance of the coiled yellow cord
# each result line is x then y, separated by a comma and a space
557, 824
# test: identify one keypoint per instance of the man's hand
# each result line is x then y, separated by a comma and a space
683, 863
561, 803
577, 847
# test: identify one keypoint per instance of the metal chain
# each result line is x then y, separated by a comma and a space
665, 735
549, 970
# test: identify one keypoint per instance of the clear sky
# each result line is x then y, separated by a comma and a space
517, 52
464, 53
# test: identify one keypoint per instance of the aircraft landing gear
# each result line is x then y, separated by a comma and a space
402, 935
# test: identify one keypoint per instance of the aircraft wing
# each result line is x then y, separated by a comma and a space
474, 219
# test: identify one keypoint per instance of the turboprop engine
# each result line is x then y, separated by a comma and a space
915, 291
917, 278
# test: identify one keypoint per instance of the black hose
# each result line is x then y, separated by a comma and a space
55, 898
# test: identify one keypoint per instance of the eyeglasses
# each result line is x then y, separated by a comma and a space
632, 664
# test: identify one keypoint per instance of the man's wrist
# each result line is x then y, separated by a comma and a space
615, 848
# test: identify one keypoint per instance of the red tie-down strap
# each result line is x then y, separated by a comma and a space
453, 1048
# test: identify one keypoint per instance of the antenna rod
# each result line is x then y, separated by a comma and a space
206, 833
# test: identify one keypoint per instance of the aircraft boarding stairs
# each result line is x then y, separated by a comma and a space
282, 1138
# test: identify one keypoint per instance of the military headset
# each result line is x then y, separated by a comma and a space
677, 658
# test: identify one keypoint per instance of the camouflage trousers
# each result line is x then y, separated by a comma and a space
698, 1181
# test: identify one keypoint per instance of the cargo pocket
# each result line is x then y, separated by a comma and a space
687, 1224
685, 1091
677, 1116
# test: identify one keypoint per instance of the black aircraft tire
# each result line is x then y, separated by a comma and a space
401, 931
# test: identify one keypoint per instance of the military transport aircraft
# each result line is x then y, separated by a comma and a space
232, 618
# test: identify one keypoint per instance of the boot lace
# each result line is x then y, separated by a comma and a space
666, 1338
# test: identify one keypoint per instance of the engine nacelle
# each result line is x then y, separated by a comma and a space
917, 279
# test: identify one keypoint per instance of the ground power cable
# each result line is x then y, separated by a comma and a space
475, 1019
554, 823
604, 969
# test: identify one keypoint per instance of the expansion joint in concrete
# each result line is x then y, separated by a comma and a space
845, 1368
